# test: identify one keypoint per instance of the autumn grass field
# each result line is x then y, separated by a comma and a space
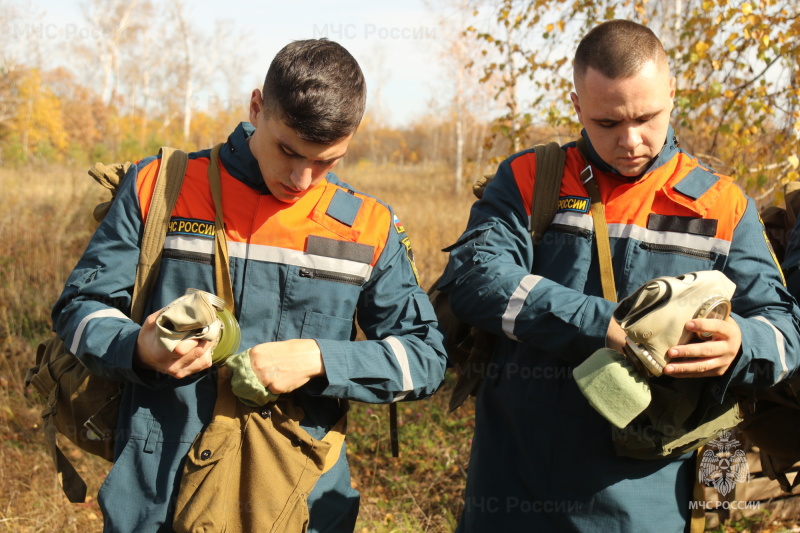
45, 219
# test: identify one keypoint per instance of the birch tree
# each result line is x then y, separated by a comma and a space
737, 65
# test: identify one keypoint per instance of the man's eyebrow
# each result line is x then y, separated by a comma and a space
286, 148
291, 151
643, 116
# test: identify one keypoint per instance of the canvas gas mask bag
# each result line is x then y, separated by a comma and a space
659, 416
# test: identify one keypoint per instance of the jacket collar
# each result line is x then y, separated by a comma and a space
238, 160
667, 152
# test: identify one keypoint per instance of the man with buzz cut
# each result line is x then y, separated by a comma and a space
543, 459
310, 257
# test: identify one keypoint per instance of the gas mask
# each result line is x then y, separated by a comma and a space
653, 317
202, 315
199, 315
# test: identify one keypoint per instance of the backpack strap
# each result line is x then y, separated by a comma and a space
549, 164
168, 186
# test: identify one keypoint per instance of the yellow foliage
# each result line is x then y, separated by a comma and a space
702, 47
38, 120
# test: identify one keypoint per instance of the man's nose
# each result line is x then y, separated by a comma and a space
301, 177
630, 138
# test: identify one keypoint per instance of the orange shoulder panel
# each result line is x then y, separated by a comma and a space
369, 227
146, 184
524, 170
374, 220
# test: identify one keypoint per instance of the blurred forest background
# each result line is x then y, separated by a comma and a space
143, 75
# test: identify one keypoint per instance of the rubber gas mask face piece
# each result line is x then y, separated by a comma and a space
199, 315
654, 316
654, 319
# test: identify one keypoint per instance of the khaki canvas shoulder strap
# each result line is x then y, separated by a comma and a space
168, 186
549, 171
222, 277
600, 226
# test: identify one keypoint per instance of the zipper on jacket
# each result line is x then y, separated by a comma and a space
331, 276
669, 248
194, 257
571, 230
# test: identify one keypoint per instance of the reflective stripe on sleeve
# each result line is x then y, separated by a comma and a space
780, 344
105, 313
402, 359
516, 302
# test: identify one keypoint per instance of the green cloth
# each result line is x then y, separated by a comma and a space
613, 386
244, 382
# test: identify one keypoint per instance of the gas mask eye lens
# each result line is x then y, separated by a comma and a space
718, 308
720, 311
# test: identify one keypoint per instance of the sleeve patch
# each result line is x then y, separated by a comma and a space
410, 256
397, 225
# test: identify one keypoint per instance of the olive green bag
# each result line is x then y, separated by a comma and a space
77, 404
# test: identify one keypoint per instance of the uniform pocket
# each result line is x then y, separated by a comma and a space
202, 499
322, 326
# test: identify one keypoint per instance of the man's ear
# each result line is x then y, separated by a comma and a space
256, 106
577, 105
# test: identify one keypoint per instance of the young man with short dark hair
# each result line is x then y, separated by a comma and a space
308, 256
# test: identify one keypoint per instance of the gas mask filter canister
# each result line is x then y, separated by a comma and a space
653, 318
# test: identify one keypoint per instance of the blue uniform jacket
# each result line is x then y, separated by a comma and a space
304, 270
542, 458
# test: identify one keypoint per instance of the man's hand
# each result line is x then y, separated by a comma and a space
708, 358
286, 365
615, 337
189, 357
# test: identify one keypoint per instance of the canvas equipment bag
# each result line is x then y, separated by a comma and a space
77, 404
771, 417
252, 468
469, 348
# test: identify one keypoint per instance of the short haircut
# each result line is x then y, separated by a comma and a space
617, 49
317, 88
